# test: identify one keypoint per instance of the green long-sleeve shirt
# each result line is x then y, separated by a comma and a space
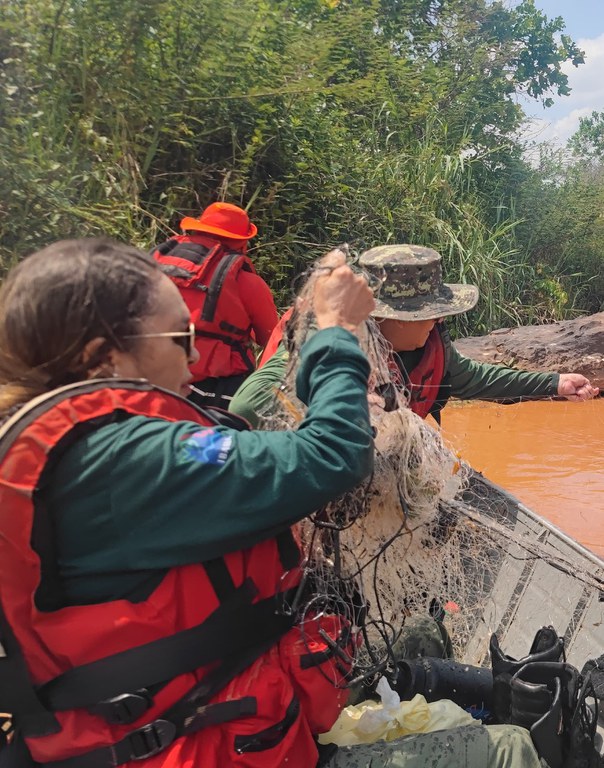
470, 380
142, 494
467, 380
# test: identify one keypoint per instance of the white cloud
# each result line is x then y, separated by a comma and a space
558, 123
558, 131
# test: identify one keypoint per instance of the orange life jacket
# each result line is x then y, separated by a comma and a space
209, 670
205, 271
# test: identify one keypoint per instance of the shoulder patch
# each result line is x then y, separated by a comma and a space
208, 446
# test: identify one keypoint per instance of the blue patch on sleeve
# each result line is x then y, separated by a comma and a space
207, 447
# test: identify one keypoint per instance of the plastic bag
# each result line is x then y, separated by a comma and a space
391, 718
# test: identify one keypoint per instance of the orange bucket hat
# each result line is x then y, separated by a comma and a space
224, 219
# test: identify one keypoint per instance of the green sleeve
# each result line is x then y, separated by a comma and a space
258, 390
470, 380
149, 494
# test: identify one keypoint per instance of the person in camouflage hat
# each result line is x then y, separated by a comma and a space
412, 302
410, 308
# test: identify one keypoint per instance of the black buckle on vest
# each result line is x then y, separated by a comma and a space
151, 739
268, 737
124, 709
6, 726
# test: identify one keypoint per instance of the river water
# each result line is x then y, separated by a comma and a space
550, 455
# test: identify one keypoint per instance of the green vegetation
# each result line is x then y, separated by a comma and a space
367, 121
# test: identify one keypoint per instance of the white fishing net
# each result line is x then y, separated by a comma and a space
424, 536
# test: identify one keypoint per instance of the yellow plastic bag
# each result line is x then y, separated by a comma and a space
391, 718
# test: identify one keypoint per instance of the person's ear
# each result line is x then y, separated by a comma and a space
97, 359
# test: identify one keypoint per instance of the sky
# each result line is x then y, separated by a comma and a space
584, 21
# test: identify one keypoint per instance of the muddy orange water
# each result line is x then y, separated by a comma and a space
550, 455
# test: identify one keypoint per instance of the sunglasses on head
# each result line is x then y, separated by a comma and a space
184, 339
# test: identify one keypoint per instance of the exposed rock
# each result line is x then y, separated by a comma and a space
569, 346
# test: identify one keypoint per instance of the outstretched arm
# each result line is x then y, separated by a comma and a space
471, 380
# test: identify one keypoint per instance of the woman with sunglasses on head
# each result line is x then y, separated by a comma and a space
147, 565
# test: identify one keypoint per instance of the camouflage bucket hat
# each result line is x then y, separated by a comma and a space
412, 286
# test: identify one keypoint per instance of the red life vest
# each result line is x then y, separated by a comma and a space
92, 681
206, 271
426, 378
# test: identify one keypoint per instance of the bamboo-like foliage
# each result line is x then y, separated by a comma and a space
367, 121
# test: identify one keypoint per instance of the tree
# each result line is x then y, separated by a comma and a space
588, 142
366, 120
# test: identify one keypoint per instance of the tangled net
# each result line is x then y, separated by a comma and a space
409, 542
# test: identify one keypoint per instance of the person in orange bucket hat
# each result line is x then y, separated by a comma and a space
230, 304
223, 219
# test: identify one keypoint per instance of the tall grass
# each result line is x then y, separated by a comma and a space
121, 117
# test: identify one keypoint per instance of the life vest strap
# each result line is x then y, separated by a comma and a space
154, 737
232, 627
189, 715
125, 708
193, 252
17, 694
237, 345
271, 736
216, 284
